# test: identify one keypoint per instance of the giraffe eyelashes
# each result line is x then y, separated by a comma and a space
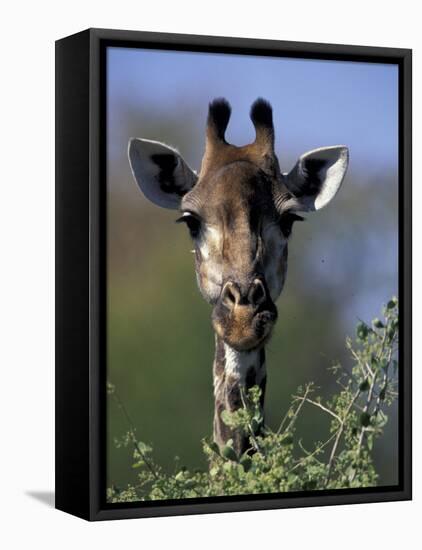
193, 223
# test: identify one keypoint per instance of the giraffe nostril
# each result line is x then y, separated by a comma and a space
257, 293
231, 295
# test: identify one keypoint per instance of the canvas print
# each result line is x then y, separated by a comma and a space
252, 275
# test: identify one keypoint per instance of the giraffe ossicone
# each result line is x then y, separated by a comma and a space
239, 209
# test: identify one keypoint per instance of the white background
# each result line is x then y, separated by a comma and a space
27, 272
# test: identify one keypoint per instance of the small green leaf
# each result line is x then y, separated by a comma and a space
351, 473
229, 453
377, 323
143, 447
255, 425
362, 331
365, 419
364, 386
214, 447
287, 439
374, 362
246, 462
226, 417
309, 485
259, 417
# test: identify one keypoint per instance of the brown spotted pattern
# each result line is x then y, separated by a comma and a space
239, 210
242, 238
235, 372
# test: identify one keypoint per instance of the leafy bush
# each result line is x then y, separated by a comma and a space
277, 461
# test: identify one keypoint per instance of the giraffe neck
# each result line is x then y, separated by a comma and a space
234, 370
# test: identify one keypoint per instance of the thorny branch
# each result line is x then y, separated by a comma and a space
132, 429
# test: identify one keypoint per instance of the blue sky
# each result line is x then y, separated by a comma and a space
315, 102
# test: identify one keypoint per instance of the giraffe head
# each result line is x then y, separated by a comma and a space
239, 210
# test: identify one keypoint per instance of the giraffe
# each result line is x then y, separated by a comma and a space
239, 210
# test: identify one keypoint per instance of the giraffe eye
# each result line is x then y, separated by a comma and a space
286, 222
193, 222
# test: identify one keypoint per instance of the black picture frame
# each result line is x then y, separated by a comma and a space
81, 272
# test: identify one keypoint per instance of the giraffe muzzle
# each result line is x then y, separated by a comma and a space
244, 315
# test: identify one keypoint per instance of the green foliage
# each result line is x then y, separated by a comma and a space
277, 460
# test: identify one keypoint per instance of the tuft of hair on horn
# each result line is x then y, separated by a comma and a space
262, 117
218, 118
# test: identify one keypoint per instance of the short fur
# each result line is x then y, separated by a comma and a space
240, 210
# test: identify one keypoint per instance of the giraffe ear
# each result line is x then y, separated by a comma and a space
161, 173
317, 176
